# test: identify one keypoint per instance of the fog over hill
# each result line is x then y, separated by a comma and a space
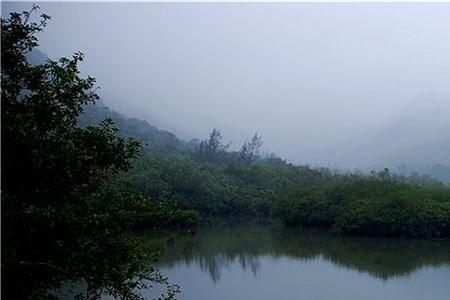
343, 85
412, 139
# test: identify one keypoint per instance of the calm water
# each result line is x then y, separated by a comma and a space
250, 261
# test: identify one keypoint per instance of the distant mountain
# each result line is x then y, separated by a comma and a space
155, 139
437, 171
416, 141
419, 145
440, 171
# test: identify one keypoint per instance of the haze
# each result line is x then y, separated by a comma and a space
342, 85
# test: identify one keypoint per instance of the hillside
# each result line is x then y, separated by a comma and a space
154, 139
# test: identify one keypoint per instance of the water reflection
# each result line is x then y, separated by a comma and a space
216, 249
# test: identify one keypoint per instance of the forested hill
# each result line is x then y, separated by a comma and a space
154, 139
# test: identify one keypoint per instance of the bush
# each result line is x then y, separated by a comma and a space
370, 207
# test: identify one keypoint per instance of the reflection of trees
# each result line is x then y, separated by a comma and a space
217, 248
380, 257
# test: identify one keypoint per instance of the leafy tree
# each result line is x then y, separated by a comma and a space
250, 150
51, 171
212, 149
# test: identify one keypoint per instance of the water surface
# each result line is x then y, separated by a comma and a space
253, 261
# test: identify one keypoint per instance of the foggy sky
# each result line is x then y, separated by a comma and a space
345, 85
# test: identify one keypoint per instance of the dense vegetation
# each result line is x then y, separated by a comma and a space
379, 204
227, 189
371, 206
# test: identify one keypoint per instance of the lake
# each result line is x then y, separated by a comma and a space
254, 261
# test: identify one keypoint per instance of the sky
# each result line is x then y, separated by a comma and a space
343, 85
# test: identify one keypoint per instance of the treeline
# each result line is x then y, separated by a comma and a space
379, 206
154, 140
227, 190
207, 177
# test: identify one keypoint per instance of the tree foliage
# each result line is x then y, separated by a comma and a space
250, 150
52, 171
378, 206
212, 149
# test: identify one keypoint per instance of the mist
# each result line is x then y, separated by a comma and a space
341, 85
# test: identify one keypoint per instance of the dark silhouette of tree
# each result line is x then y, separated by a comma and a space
250, 150
52, 170
212, 149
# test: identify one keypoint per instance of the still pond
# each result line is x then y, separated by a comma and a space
254, 261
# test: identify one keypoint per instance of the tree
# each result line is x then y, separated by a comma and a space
212, 149
250, 150
51, 171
